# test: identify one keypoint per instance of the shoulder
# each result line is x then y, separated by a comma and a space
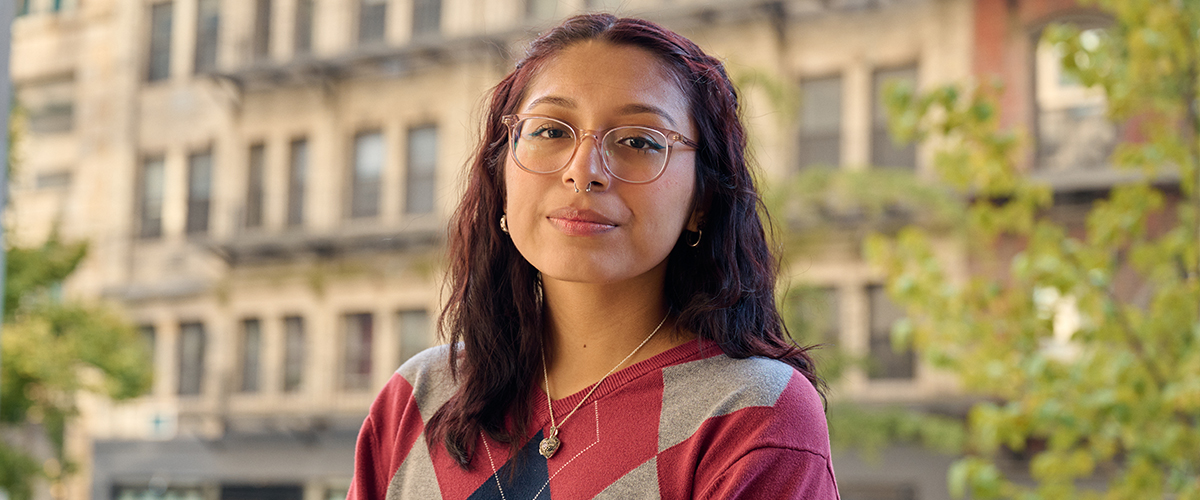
755, 393
427, 377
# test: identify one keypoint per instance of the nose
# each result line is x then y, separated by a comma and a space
585, 170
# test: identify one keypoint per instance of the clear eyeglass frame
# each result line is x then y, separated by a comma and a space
670, 138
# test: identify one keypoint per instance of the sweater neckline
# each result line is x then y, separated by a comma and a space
690, 350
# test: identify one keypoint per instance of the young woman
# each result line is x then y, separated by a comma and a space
612, 321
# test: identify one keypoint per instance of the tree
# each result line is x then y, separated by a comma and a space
52, 349
1073, 373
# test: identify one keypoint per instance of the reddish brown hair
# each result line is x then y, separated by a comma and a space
723, 290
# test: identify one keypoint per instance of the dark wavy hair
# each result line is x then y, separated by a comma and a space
723, 290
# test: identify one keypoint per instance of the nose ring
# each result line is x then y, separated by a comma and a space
588, 189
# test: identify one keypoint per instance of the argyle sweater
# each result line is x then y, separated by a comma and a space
689, 422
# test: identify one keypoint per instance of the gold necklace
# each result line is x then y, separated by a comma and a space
551, 443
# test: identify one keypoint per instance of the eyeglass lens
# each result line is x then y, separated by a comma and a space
633, 154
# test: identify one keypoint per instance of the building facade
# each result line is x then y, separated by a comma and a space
265, 185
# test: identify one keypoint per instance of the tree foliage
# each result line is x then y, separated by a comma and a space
53, 349
1089, 382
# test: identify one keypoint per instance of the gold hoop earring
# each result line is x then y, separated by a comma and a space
504, 223
696, 243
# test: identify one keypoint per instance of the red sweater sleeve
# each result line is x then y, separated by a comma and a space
776, 473
388, 433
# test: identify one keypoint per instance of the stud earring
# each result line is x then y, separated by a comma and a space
504, 223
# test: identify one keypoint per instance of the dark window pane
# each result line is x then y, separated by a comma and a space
427, 17
886, 362
160, 41
293, 353
150, 341
372, 21
251, 354
297, 173
199, 192
208, 27
821, 122
52, 118
421, 184
884, 150
191, 358
356, 347
150, 198
254, 186
148, 491
259, 492
303, 41
414, 332
262, 29
368, 168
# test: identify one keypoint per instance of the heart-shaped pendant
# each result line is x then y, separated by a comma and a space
549, 445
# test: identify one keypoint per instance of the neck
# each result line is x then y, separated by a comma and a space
592, 327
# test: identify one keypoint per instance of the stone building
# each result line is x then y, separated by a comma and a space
265, 186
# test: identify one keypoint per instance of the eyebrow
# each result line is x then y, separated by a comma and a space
628, 109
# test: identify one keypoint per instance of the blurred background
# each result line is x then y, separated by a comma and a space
248, 198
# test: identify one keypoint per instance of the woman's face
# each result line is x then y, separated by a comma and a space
618, 231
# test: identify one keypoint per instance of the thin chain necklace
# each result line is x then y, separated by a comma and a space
551, 443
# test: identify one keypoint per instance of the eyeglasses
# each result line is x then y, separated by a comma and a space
634, 154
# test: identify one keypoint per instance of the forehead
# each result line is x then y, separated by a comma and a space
600, 77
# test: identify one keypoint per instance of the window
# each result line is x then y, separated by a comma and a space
884, 150
297, 173
208, 27
421, 183
262, 30
254, 186
125, 492
55, 179
886, 363
150, 341
372, 21
160, 42
293, 353
821, 122
50, 104
427, 18
356, 345
150, 198
1073, 129
540, 10
191, 358
368, 168
251, 354
199, 192
302, 40
413, 332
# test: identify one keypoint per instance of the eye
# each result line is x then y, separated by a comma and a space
548, 131
640, 142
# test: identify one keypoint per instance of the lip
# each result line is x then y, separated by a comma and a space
580, 222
